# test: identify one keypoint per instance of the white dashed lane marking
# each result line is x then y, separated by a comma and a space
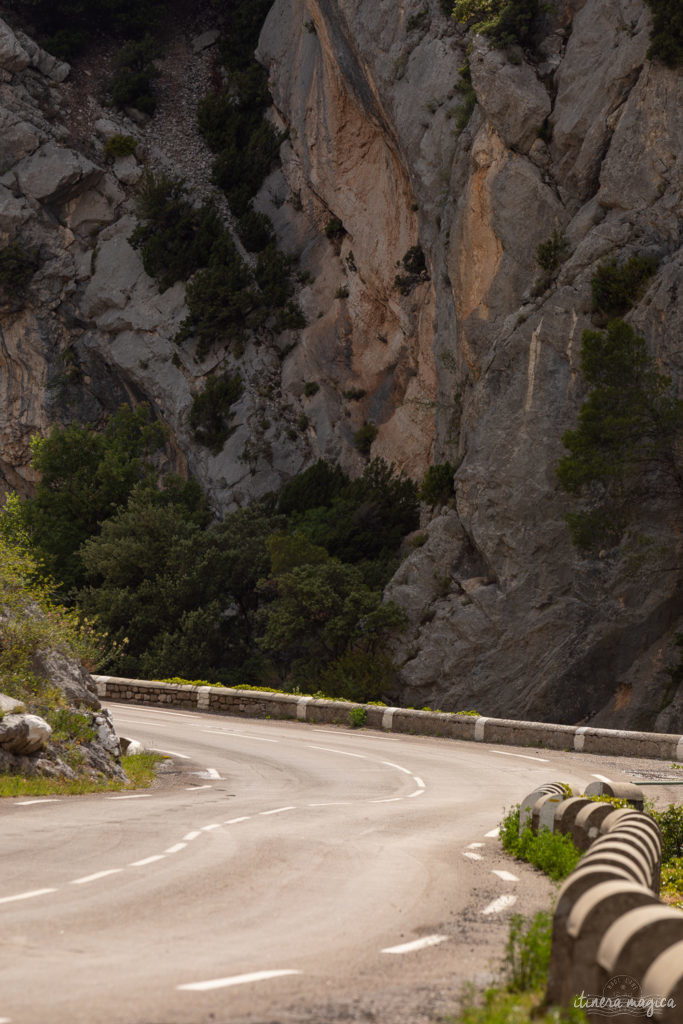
475, 846
472, 856
176, 849
146, 860
237, 979
233, 821
26, 895
130, 796
346, 753
502, 903
401, 769
28, 803
412, 947
277, 810
190, 836
96, 876
492, 834
506, 876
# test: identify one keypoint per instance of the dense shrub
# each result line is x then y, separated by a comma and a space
255, 230
415, 270
616, 289
66, 26
17, 267
506, 22
211, 414
551, 253
666, 41
174, 238
315, 487
364, 437
437, 487
135, 71
220, 300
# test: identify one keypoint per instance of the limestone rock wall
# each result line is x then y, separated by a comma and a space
504, 616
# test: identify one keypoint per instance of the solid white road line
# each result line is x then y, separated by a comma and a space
502, 903
94, 878
278, 810
412, 947
173, 753
472, 856
507, 876
237, 979
26, 895
391, 764
147, 860
333, 803
27, 803
492, 834
176, 848
389, 799
527, 757
332, 750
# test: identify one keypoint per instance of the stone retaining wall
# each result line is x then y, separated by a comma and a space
615, 945
257, 704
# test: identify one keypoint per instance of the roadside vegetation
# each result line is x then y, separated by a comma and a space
140, 769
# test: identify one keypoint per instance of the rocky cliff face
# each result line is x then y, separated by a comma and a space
468, 361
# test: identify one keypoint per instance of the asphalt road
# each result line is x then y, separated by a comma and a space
277, 872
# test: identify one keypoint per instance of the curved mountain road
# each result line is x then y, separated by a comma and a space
277, 872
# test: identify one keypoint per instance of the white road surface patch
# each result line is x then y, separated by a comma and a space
506, 876
236, 979
278, 810
502, 903
96, 876
26, 895
601, 778
527, 757
472, 856
412, 947
492, 834
147, 860
27, 803
176, 849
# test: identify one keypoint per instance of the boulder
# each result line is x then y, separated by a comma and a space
513, 99
23, 734
13, 56
69, 676
53, 68
53, 174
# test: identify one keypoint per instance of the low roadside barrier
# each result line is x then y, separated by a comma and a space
261, 704
617, 950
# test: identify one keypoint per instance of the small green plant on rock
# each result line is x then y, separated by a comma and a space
551, 253
364, 438
120, 146
211, 414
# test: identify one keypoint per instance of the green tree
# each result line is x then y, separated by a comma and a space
85, 475
319, 612
506, 22
627, 443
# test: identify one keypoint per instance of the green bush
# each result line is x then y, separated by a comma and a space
334, 229
364, 437
174, 238
666, 41
120, 145
616, 289
17, 267
315, 487
134, 74
507, 23
255, 230
527, 952
413, 263
551, 253
670, 824
550, 852
211, 414
220, 300
437, 487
